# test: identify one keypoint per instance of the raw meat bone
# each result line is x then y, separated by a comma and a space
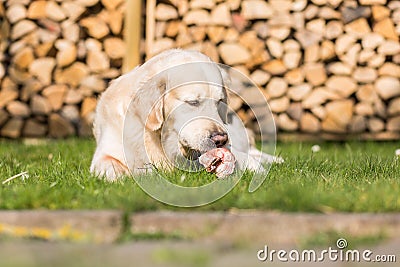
219, 161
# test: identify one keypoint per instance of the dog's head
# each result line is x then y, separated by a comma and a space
192, 109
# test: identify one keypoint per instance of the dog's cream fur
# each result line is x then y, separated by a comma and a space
140, 119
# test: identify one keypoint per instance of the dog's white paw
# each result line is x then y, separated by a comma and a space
265, 158
109, 168
278, 160
254, 165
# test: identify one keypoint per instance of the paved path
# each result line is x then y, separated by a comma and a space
154, 254
204, 238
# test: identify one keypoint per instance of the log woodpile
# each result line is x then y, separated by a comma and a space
325, 66
56, 57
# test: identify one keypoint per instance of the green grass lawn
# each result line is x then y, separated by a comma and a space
360, 177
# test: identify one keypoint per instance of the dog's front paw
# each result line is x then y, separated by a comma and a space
278, 159
265, 158
109, 168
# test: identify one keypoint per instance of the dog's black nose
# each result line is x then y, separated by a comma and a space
219, 138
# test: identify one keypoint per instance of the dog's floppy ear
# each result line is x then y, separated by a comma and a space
223, 111
155, 118
226, 78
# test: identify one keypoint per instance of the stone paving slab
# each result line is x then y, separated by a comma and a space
229, 227
257, 226
93, 226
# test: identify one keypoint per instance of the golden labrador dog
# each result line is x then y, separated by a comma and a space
155, 113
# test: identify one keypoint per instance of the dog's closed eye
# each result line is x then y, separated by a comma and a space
194, 103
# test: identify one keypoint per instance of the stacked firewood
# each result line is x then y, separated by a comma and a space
325, 66
56, 57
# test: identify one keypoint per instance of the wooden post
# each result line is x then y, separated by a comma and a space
133, 34
150, 26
